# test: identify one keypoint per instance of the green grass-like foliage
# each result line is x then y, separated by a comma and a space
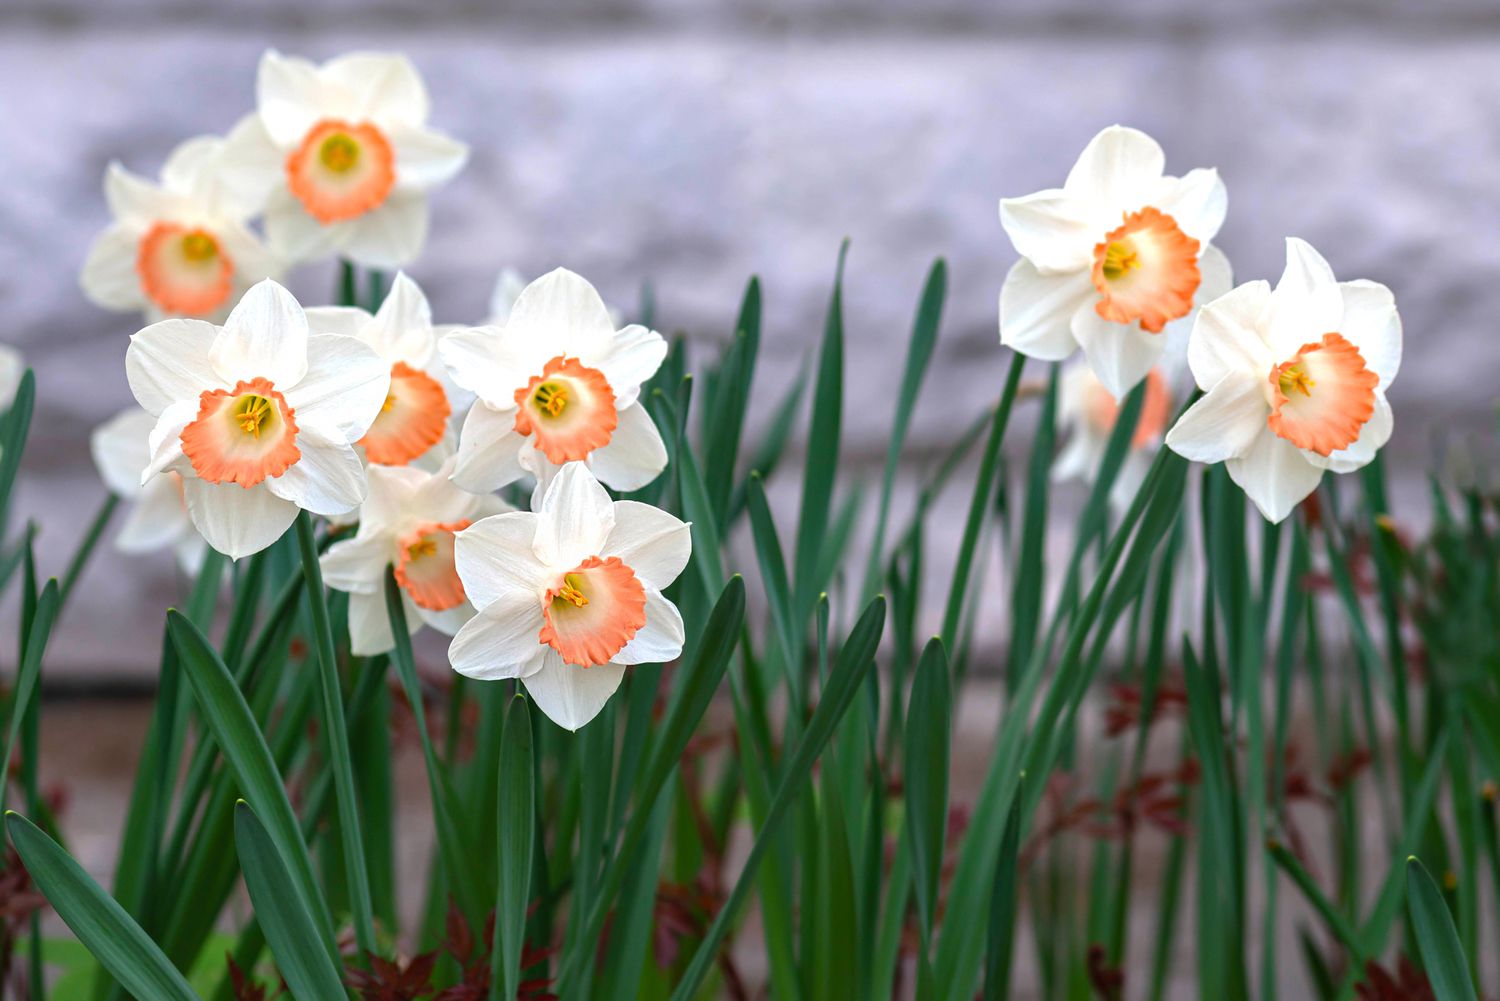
1205, 738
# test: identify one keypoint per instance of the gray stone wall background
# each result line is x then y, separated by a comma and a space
693, 144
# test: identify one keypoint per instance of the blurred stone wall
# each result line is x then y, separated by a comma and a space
693, 144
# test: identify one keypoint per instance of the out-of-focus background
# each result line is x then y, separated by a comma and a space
693, 144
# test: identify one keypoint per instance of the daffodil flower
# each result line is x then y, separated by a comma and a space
1087, 413
414, 419
258, 417
509, 285
1112, 259
570, 595
158, 517
12, 368
180, 247
407, 523
1294, 380
343, 157
556, 384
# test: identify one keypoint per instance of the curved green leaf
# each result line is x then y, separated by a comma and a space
517, 828
929, 719
1437, 937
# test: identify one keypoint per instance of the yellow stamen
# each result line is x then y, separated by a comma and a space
1295, 377
1120, 258
551, 397
253, 413
199, 247
420, 548
339, 152
570, 591
389, 404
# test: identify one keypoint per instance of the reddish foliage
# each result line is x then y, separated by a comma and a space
1122, 712
1107, 981
1407, 984
245, 988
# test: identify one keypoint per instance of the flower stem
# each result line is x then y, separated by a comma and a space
338, 741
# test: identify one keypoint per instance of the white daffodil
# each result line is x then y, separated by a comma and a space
259, 417
158, 515
1112, 259
569, 596
180, 247
407, 522
414, 420
556, 384
343, 156
1087, 413
1295, 380
12, 369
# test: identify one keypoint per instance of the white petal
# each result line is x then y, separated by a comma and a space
296, 236
501, 641
390, 236
1080, 458
121, 449
165, 443
1197, 202
660, 639
169, 361
385, 86
264, 337
565, 312
1226, 336
253, 261
1372, 325
344, 387
370, 624
496, 556
1372, 437
190, 551
109, 277
402, 329
1306, 303
1054, 232
1224, 423
235, 520
508, 287
388, 507
250, 167
448, 621
576, 517
571, 696
425, 158
156, 520
1036, 310
632, 356
288, 94
357, 564
1118, 168
133, 199
1120, 354
653, 543
1216, 275
345, 321
1275, 475
328, 479
488, 450
635, 454
492, 363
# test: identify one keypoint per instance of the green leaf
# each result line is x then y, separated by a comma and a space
30, 670
1447, 969
852, 666
929, 724
517, 829
100, 923
822, 448
727, 417
289, 928
244, 747
13, 431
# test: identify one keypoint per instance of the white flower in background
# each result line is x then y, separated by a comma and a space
259, 417
1087, 413
407, 522
12, 369
158, 516
1295, 380
1112, 258
569, 596
180, 247
556, 384
508, 288
414, 420
343, 156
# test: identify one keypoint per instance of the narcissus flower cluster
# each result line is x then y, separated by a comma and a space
1119, 262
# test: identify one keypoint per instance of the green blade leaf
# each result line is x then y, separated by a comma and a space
244, 746
1447, 970
929, 721
822, 448
289, 928
100, 923
517, 829
13, 430
31, 668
